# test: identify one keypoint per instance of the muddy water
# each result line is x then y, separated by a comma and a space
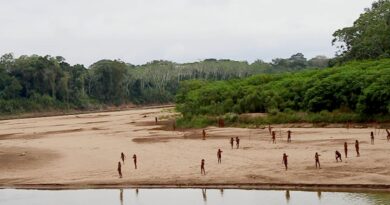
187, 197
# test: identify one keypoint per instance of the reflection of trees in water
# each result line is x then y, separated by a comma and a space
382, 198
288, 196
121, 196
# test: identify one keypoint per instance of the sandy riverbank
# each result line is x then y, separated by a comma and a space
83, 151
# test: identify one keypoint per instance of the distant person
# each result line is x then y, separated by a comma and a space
123, 157
174, 126
219, 155
317, 158
346, 149
231, 142
338, 156
288, 136
135, 161
285, 160
388, 135
204, 134
269, 129
237, 142
155, 120
120, 169
273, 137
357, 148
372, 137
202, 170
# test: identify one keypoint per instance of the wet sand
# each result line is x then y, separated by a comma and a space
83, 151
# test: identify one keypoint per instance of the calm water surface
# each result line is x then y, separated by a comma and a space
187, 197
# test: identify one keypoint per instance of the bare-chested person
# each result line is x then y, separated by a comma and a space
155, 120
273, 137
231, 142
135, 161
120, 169
357, 148
388, 135
202, 170
289, 136
372, 137
219, 155
123, 157
237, 142
338, 156
204, 134
346, 149
285, 161
317, 158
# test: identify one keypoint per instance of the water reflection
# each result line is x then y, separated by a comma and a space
188, 197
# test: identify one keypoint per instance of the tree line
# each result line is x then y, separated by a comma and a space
41, 83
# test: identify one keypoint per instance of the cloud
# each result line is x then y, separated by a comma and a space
138, 31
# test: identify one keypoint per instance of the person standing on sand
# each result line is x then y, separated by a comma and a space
388, 135
155, 120
204, 134
288, 136
317, 158
238, 142
273, 137
285, 160
269, 128
346, 149
174, 126
135, 161
219, 155
202, 170
123, 157
372, 137
231, 142
357, 148
338, 156
120, 169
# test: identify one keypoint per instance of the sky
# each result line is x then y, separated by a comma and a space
139, 31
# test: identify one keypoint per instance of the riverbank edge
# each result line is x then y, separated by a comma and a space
257, 186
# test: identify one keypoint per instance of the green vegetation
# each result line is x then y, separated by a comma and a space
45, 83
357, 91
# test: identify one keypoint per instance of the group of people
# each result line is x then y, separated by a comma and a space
123, 157
237, 140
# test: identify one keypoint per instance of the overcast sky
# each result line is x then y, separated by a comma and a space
138, 31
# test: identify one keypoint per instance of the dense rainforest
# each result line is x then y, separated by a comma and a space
44, 83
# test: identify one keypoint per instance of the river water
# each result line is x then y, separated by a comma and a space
187, 197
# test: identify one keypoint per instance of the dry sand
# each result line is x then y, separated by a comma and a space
83, 150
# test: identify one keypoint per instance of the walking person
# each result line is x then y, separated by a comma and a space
273, 137
289, 136
346, 149
123, 157
357, 148
338, 156
202, 169
119, 169
135, 161
231, 142
372, 137
285, 161
237, 142
219, 155
317, 158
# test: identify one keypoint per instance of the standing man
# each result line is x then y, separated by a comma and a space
317, 158
372, 137
273, 137
120, 169
357, 148
155, 120
285, 160
219, 155
269, 128
338, 156
202, 170
289, 136
231, 142
123, 157
238, 142
346, 149
204, 134
135, 161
